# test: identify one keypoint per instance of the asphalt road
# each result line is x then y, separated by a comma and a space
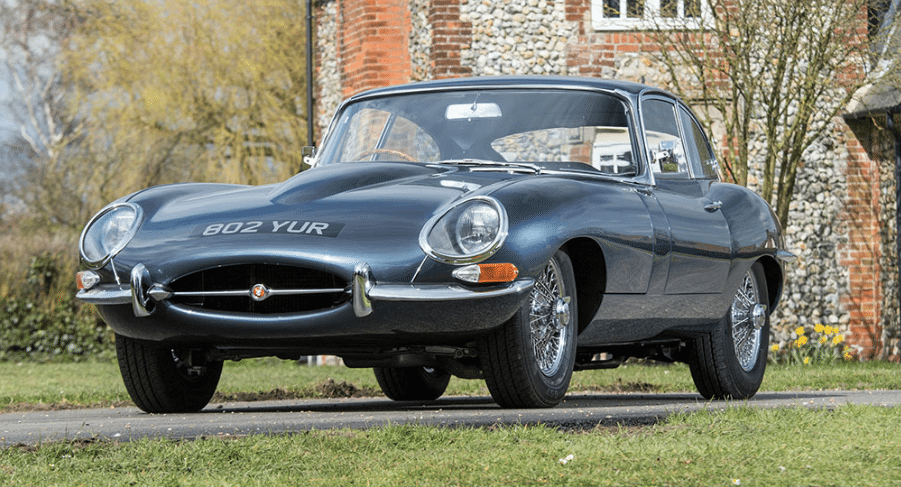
278, 417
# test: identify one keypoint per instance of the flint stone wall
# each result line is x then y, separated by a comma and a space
554, 37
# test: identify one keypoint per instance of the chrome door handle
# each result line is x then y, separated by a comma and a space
713, 206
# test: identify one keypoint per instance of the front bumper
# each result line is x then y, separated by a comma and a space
376, 312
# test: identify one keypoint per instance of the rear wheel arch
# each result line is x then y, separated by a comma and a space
774, 278
590, 270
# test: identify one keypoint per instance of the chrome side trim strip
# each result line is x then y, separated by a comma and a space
106, 294
443, 292
786, 256
366, 290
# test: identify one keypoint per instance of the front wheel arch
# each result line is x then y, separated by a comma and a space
590, 272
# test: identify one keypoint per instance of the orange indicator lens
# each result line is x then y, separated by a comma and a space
86, 279
497, 272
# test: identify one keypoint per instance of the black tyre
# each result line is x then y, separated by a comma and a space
162, 380
729, 362
528, 362
412, 383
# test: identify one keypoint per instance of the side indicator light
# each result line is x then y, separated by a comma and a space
487, 273
86, 279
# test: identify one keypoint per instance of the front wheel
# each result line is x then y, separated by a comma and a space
729, 362
161, 379
528, 362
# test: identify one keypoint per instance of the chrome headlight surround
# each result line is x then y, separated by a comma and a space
108, 232
466, 232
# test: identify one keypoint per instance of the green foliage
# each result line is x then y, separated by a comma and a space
43, 321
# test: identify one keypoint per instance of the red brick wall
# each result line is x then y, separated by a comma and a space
450, 36
374, 44
863, 250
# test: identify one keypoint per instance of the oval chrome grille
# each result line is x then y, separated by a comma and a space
260, 288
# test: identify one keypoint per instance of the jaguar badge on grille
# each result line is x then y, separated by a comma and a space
259, 292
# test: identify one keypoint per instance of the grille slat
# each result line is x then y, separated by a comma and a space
240, 278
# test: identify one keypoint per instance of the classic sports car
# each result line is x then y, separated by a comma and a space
513, 229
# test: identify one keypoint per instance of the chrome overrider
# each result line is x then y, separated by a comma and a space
143, 293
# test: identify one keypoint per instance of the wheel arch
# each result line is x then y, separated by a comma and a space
774, 279
590, 271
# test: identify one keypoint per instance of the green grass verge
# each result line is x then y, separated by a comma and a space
35, 386
851, 445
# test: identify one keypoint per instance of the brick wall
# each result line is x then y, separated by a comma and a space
378, 43
862, 252
450, 36
373, 46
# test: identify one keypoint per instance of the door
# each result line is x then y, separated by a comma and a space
701, 244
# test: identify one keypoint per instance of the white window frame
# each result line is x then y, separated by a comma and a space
651, 18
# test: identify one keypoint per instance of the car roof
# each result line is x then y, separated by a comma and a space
566, 82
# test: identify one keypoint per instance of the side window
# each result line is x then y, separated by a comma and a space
663, 138
703, 161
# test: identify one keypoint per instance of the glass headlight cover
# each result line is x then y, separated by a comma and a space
108, 232
467, 232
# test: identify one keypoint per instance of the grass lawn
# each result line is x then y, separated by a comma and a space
30, 386
850, 445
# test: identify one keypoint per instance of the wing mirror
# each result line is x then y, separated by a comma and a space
309, 154
664, 160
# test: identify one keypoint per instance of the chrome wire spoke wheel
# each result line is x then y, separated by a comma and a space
528, 361
548, 317
748, 318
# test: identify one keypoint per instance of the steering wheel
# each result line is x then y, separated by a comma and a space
390, 152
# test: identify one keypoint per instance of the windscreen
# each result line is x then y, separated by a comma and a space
515, 126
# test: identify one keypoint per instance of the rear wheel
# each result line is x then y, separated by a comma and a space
729, 362
412, 383
161, 379
528, 362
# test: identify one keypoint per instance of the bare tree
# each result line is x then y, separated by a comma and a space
31, 33
776, 70
112, 96
222, 81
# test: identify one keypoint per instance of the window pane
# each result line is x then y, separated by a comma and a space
703, 161
378, 135
663, 138
669, 9
611, 9
692, 9
635, 8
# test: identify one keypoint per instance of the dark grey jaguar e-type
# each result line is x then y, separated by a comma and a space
508, 228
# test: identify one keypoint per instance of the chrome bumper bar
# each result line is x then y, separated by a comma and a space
142, 293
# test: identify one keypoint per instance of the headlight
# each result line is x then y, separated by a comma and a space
108, 233
469, 231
